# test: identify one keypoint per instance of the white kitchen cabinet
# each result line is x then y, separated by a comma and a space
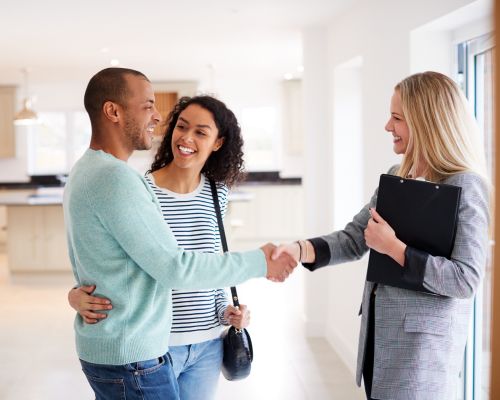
3, 228
7, 110
36, 238
274, 213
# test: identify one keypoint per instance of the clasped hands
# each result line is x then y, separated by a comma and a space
378, 234
280, 264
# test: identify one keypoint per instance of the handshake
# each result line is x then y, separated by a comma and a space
281, 260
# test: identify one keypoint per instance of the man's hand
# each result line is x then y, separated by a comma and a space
280, 268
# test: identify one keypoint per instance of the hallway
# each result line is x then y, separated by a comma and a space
39, 360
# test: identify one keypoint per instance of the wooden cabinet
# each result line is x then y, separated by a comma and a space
164, 102
36, 239
272, 213
7, 112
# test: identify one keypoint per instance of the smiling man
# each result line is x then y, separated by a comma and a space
118, 241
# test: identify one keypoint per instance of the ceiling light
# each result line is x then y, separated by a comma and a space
26, 116
288, 76
114, 62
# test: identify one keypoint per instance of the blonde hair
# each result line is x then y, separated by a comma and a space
443, 132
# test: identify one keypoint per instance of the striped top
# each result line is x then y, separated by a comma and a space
197, 316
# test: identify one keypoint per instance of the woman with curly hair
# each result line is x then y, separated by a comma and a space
202, 142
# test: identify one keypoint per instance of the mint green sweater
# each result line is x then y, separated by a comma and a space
117, 240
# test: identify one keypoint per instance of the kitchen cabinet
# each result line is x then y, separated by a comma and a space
164, 103
7, 112
257, 214
271, 213
36, 239
3, 228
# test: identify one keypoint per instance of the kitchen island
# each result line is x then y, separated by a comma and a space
260, 210
35, 238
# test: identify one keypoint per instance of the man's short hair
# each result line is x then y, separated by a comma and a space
108, 84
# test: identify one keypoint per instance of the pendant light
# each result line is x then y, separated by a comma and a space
26, 116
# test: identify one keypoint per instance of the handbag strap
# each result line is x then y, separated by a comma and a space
222, 232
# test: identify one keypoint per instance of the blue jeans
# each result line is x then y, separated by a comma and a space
197, 368
144, 380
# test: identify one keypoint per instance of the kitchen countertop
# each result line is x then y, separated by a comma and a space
57, 181
54, 196
38, 197
46, 193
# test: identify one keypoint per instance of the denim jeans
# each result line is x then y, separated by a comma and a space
144, 380
197, 368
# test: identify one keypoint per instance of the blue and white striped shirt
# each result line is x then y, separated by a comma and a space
197, 315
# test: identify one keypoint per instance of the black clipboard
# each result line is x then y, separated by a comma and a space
423, 215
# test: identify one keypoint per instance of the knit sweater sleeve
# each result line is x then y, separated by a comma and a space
129, 211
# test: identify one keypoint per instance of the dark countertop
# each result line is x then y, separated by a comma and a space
49, 190
252, 178
269, 178
35, 182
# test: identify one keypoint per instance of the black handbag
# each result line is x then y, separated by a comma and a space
238, 350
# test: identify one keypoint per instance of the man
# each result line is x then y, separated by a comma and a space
118, 241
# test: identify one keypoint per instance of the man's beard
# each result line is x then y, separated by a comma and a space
133, 133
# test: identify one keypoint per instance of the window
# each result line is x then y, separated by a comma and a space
475, 75
259, 131
58, 141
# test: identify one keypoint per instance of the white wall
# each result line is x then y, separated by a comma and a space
318, 169
385, 35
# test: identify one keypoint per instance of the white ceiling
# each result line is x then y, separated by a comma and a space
168, 40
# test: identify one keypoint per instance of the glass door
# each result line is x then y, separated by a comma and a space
475, 75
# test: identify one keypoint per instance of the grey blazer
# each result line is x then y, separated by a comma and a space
419, 337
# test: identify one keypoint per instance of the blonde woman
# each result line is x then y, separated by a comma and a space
411, 343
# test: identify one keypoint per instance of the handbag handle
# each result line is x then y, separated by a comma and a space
222, 232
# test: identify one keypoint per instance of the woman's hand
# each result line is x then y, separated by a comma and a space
81, 300
380, 237
239, 318
301, 250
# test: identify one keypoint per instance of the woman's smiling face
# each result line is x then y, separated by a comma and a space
397, 125
195, 137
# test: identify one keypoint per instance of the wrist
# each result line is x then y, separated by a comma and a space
397, 252
299, 251
308, 252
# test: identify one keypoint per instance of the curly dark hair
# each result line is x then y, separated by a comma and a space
223, 166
